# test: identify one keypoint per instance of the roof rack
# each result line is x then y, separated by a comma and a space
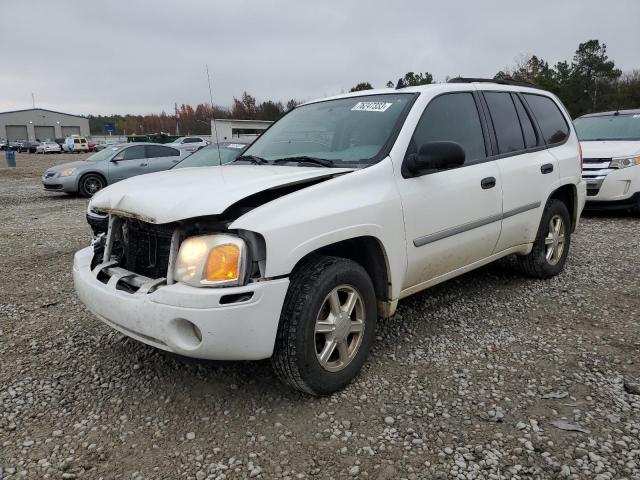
494, 80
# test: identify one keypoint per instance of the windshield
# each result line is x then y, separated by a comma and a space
348, 130
208, 156
105, 154
608, 127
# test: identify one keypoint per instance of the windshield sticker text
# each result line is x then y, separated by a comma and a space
236, 145
371, 106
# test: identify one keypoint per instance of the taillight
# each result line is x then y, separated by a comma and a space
581, 159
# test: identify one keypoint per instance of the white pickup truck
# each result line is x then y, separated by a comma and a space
611, 148
339, 210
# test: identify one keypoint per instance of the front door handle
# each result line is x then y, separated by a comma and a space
546, 168
487, 183
143, 164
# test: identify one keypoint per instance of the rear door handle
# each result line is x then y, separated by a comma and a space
546, 168
144, 164
487, 183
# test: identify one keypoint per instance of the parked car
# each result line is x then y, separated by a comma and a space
342, 208
190, 144
611, 149
108, 166
60, 141
102, 144
48, 147
214, 154
92, 146
30, 147
75, 144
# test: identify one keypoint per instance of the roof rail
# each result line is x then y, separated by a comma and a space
494, 80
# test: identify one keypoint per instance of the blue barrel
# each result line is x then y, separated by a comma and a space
11, 158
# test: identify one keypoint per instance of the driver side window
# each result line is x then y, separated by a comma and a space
131, 153
452, 117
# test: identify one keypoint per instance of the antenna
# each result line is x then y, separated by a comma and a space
213, 115
33, 100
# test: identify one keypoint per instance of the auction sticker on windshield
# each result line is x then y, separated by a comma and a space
371, 106
236, 145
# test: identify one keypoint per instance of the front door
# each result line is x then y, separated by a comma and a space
452, 217
128, 163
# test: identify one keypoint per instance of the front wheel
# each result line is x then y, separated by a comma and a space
90, 184
551, 246
327, 325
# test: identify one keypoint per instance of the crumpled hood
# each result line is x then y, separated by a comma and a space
182, 193
610, 148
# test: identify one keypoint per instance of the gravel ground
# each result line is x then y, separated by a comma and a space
475, 378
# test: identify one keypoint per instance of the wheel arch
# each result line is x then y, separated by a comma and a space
369, 252
568, 194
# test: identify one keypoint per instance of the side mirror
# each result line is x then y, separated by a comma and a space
431, 157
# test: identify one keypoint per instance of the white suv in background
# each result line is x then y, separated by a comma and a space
611, 149
189, 144
342, 208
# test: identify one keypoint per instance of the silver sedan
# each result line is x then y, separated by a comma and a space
111, 165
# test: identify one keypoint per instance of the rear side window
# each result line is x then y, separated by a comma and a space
154, 151
552, 124
76, 140
505, 121
452, 117
530, 137
192, 140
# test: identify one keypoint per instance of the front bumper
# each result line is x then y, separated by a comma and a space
60, 184
226, 330
615, 186
625, 204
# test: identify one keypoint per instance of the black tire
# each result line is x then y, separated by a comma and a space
295, 359
90, 184
536, 264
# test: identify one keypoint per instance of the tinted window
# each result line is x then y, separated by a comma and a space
76, 140
505, 121
552, 124
133, 153
154, 151
530, 137
454, 118
191, 140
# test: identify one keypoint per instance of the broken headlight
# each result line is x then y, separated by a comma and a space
211, 260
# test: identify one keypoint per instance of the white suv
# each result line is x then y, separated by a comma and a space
611, 148
338, 211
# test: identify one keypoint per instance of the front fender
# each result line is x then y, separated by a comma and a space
361, 203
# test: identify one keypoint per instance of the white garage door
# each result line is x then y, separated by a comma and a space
68, 131
44, 133
16, 132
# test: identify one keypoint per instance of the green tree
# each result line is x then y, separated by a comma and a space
361, 86
415, 79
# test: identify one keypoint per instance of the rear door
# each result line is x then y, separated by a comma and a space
452, 217
527, 169
128, 163
161, 157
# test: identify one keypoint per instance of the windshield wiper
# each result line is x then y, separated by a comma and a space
323, 162
251, 159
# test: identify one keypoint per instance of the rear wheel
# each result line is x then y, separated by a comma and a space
90, 184
326, 327
551, 246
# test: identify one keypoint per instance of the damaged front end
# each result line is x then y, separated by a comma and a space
137, 256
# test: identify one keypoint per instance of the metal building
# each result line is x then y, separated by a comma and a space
41, 124
229, 128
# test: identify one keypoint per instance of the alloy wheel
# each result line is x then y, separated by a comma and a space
339, 328
555, 240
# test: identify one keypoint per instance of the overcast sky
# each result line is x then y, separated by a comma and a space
141, 56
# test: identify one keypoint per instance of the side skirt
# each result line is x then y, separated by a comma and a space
523, 249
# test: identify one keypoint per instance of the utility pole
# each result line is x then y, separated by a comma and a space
33, 100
